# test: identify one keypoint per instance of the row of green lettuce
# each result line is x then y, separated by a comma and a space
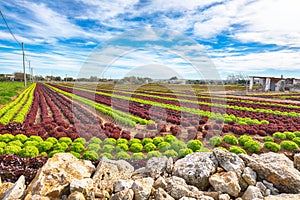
280, 140
180, 108
17, 110
136, 149
119, 116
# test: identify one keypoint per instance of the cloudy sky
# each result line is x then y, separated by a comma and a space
127, 37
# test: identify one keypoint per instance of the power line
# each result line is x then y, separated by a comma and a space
9, 28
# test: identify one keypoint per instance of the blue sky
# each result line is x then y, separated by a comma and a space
237, 36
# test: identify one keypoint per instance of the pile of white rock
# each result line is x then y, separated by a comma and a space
216, 175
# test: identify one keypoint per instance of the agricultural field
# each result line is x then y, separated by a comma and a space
8, 90
93, 121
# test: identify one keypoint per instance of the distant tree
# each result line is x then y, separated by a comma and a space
173, 78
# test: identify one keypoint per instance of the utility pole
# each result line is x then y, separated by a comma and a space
29, 70
31, 74
24, 71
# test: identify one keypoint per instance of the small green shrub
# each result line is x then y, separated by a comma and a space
121, 147
1, 151
21, 137
177, 145
108, 148
7, 137
122, 155
289, 145
2, 144
153, 154
146, 141
90, 155
163, 146
289, 135
122, 141
157, 140
252, 146
53, 140
203, 149
272, 146
222, 148
107, 155
52, 153
297, 140
44, 154
44, 146
35, 138
230, 139
95, 140
184, 152
297, 133
80, 140
169, 138
279, 135
149, 147
66, 140
110, 141
268, 139
77, 147
237, 150
76, 154
215, 141
194, 145
138, 156
16, 143
30, 143
243, 139
136, 147
170, 153
12, 150
29, 152
94, 147
134, 140
60, 146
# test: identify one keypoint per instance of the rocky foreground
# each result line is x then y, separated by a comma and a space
218, 175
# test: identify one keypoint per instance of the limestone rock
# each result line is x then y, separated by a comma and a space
196, 168
224, 197
108, 172
127, 194
187, 198
170, 165
36, 197
160, 183
76, 196
271, 187
249, 175
17, 190
85, 186
279, 170
161, 194
251, 193
261, 187
177, 188
230, 161
157, 166
142, 188
283, 197
53, 179
226, 182
297, 161
4, 187
122, 185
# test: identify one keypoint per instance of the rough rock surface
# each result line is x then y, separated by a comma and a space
178, 188
196, 168
122, 185
142, 188
53, 179
251, 193
76, 196
4, 187
16, 191
277, 169
283, 197
161, 194
226, 182
249, 175
224, 197
157, 166
107, 173
127, 194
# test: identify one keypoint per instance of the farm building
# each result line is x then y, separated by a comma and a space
267, 84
